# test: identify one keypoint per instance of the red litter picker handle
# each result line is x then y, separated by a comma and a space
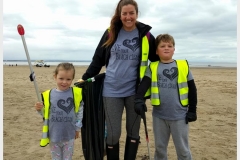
20, 29
32, 75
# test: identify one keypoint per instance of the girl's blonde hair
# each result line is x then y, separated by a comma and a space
64, 66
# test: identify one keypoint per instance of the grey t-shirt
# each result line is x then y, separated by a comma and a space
121, 72
63, 122
170, 107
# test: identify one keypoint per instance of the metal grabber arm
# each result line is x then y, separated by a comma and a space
32, 74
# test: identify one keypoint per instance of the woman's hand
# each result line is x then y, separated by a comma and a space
80, 80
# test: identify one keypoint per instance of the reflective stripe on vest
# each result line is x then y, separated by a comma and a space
183, 69
144, 60
77, 97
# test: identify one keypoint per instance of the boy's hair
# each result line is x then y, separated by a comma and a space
164, 38
64, 66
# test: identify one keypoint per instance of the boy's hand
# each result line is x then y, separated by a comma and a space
39, 106
190, 117
76, 134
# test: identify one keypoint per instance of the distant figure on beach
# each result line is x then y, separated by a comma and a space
125, 48
173, 97
62, 113
16, 64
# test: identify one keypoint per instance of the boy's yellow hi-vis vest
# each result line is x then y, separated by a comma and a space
144, 60
77, 97
183, 70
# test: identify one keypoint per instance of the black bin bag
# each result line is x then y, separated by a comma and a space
93, 129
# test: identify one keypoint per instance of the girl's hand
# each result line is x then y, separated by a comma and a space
39, 106
76, 134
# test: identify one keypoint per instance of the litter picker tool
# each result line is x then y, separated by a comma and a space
146, 133
32, 74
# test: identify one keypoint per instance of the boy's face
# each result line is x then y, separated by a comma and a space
165, 51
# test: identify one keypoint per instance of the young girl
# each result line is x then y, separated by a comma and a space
62, 111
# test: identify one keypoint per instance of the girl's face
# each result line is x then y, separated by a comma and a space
64, 79
128, 17
165, 51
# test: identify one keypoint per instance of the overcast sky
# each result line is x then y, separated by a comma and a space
204, 30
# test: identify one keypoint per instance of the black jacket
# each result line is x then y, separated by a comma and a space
102, 54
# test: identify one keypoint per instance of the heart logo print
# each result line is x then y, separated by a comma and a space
131, 44
171, 74
69, 105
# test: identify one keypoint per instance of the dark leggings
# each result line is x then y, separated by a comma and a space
113, 110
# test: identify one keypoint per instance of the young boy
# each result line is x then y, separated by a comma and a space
174, 99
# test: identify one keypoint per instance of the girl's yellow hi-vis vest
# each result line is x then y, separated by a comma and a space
144, 60
183, 70
77, 97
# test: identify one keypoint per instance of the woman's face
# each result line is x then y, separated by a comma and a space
128, 17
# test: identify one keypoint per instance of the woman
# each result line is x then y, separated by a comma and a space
124, 49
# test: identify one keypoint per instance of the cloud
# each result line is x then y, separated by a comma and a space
203, 30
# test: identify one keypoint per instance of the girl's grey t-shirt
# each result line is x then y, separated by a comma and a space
62, 116
170, 107
121, 73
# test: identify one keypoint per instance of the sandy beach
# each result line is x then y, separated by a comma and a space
212, 137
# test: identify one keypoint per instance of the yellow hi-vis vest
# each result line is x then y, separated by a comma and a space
144, 60
77, 97
183, 69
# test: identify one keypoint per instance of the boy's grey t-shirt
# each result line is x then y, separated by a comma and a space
62, 116
121, 73
170, 107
